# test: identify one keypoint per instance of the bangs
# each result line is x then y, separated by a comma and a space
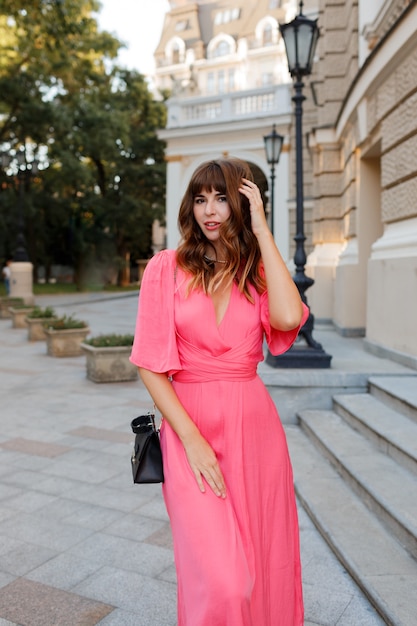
209, 177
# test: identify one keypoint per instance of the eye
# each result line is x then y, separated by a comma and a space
222, 199
199, 200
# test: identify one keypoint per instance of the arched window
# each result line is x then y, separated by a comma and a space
267, 35
175, 51
221, 49
266, 31
220, 46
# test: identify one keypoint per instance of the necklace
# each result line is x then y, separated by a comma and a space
207, 258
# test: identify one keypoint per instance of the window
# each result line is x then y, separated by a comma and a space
221, 82
232, 84
267, 35
221, 49
210, 82
267, 79
226, 16
175, 53
182, 25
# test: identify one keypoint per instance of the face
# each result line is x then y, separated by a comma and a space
210, 211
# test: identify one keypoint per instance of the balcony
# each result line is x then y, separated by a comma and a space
227, 107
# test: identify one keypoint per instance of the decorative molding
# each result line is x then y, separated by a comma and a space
350, 253
377, 67
325, 255
172, 158
399, 240
386, 17
383, 352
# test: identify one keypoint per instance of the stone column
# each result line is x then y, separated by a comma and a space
21, 281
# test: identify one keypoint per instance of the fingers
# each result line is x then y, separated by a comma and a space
248, 188
216, 482
214, 479
251, 191
204, 465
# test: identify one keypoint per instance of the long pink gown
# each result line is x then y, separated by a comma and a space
237, 559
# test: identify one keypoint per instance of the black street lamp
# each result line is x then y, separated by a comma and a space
300, 38
273, 145
24, 170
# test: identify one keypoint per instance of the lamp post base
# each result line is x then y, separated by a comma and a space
301, 357
21, 281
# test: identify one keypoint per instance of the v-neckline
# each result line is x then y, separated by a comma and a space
220, 322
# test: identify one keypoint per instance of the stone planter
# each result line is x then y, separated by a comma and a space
65, 342
36, 328
6, 304
19, 316
109, 365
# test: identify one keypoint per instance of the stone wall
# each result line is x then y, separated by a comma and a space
365, 176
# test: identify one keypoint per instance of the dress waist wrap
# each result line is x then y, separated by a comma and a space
235, 364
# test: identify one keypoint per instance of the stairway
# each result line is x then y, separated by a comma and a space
355, 472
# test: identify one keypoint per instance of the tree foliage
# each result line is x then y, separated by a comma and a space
93, 127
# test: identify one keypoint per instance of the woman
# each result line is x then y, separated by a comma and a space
203, 313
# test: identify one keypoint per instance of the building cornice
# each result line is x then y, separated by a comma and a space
399, 40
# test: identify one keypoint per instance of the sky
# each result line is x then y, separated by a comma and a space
137, 23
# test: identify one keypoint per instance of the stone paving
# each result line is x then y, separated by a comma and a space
79, 543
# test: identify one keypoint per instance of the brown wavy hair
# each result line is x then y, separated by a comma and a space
242, 253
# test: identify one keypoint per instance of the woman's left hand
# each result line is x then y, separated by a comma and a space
258, 217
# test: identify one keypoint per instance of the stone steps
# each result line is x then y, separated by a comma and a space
391, 432
355, 473
398, 392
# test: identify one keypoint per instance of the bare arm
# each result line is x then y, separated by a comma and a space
285, 306
200, 454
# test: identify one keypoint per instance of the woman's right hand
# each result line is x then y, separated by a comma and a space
201, 456
204, 464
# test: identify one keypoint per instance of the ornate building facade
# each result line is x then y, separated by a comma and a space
364, 148
224, 63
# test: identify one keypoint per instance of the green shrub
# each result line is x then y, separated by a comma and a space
21, 305
39, 313
9, 301
110, 341
65, 323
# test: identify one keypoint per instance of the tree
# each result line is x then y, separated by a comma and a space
106, 137
94, 129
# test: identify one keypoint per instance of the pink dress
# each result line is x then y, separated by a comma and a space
237, 559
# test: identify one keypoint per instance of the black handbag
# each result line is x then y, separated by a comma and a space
146, 457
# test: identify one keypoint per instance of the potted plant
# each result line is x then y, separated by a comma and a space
19, 313
108, 358
64, 336
35, 321
6, 303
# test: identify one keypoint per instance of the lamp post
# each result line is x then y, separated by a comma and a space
25, 170
21, 268
300, 38
273, 145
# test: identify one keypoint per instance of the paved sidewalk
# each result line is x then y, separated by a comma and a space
79, 543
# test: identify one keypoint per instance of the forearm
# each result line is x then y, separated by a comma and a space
285, 307
200, 455
167, 402
284, 302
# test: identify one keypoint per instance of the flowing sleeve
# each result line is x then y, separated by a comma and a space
279, 341
155, 347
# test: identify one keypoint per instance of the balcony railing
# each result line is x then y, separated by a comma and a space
191, 111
